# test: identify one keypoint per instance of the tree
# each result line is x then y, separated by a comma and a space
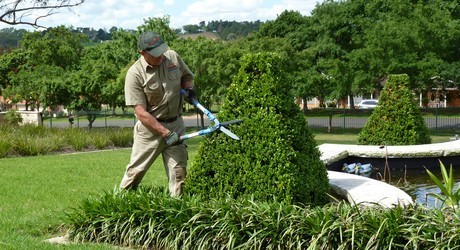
10, 37
57, 46
191, 28
32, 68
31, 12
160, 26
205, 59
286, 23
11, 63
89, 82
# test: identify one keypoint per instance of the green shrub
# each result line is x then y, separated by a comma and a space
5, 147
12, 117
396, 120
78, 138
276, 156
28, 139
121, 137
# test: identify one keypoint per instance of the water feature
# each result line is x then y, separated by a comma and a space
410, 175
417, 183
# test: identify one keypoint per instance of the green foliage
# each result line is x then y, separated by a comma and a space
12, 117
30, 140
57, 46
276, 156
448, 196
159, 25
396, 120
150, 218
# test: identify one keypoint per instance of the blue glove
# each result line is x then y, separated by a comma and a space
191, 94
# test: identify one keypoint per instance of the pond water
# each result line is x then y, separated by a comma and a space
410, 175
417, 183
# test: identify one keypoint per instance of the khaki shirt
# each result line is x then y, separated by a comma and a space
157, 87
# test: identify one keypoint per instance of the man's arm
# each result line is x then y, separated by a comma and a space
149, 121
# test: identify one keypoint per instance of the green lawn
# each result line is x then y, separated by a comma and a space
37, 191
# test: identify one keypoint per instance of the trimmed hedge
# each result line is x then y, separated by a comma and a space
276, 156
396, 120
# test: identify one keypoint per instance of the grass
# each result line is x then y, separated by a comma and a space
37, 191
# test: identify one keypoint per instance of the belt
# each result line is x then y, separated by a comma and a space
168, 119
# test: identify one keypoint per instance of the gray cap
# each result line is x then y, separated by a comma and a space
152, 43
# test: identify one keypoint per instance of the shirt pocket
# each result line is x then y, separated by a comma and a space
154, 92
174, 73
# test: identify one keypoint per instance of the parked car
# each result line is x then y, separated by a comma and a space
368, 104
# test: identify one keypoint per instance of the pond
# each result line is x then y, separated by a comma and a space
417, 184
409, 175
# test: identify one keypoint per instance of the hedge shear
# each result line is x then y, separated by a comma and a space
217, 125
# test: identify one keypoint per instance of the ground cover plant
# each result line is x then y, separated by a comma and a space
30, 140
150, 218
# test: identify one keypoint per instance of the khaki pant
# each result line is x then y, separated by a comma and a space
147, 147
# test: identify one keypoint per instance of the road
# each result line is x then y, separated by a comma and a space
190, 121
194, 121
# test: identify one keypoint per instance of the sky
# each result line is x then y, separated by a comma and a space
104, 14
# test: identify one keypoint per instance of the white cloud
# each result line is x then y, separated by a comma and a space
131, 14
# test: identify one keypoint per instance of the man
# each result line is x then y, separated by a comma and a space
152, 87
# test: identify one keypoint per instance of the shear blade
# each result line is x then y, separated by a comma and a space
227, 132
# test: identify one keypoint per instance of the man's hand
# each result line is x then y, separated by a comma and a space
191, 94
172, 138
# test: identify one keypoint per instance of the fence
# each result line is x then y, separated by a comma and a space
106, 119
438, 120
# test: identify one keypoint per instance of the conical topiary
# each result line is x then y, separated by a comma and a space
396, 120
276, 156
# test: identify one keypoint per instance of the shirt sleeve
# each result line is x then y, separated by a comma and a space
187, 74
134, 90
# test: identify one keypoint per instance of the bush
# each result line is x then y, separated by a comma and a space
396, 120
276, 156
29, 140
12, 117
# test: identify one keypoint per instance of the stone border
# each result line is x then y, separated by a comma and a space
332, 153
359, 190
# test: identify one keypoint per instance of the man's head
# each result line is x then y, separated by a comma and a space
152, 43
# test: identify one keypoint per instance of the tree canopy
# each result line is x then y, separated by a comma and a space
344, 49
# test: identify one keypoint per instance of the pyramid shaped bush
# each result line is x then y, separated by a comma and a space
396, 120
276, 156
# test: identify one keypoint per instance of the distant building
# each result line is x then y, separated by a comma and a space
211, 35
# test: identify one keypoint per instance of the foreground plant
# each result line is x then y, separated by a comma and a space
448, 196
150, 218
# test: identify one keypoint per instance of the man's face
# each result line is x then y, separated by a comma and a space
152, 61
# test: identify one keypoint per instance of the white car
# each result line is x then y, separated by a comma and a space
368, 104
